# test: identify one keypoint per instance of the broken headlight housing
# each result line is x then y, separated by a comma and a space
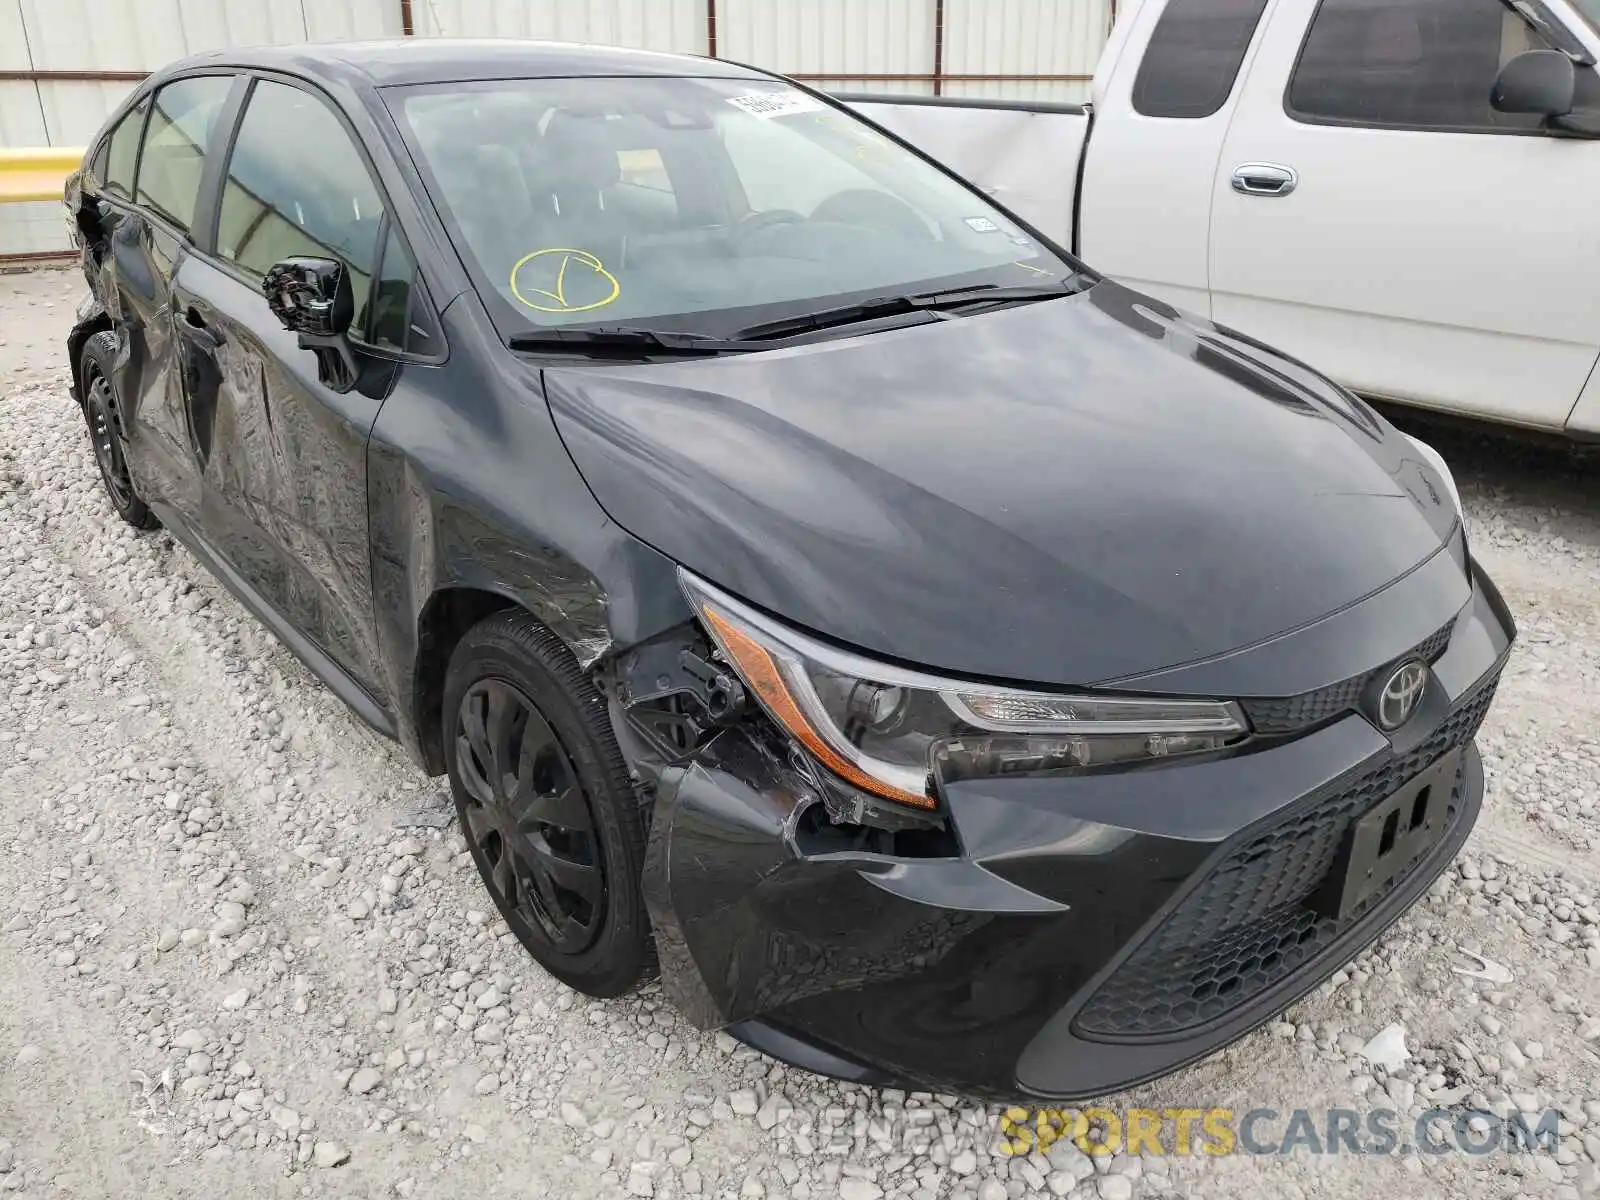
889, 731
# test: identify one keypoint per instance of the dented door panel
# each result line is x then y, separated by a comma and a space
143, 260
282, 458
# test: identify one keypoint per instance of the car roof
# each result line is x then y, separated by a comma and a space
443, 60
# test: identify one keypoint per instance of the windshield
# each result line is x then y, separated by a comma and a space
692, 204
1589, 10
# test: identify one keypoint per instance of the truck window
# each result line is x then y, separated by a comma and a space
1194, 56
1412, 64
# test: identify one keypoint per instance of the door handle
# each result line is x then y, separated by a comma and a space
1264, 179
199, 331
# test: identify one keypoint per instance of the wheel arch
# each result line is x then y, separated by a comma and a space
587, 625
449, 612
97, 322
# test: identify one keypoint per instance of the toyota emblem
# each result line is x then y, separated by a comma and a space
1401, 694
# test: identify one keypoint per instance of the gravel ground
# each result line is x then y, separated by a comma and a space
241, 951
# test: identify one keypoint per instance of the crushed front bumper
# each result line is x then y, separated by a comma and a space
1093, 931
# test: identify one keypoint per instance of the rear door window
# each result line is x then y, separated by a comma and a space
176, 141
97, 164
1193, 57
297, 187
122, 156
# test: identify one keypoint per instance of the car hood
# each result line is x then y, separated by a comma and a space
1065, 492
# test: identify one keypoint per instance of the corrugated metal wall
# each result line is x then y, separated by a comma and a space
64, 64
673, 25
832, 42
1023, 38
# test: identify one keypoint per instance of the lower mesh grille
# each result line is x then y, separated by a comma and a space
1434, 646
1247, 926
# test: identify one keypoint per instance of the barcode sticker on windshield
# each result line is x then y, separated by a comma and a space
767, 105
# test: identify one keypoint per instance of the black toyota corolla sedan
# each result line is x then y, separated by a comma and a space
944, 665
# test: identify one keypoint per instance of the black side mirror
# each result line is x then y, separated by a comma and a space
1542, 82
312, 297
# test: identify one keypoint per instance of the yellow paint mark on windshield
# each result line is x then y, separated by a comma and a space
1026, 267
577, 280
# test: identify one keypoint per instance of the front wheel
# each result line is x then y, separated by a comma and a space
545, 803
105, 431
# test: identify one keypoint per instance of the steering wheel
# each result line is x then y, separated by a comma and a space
866, 206
754, 222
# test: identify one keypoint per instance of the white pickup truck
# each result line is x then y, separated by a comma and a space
1403, 193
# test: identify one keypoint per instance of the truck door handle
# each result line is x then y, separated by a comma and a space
1264, 179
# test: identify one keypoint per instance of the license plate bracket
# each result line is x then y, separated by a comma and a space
1388, 838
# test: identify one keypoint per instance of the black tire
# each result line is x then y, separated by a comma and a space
105, 431
523, 825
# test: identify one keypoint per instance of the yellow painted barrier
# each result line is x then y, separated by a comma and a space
39, 173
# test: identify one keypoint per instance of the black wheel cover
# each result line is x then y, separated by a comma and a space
97, 411
527, 819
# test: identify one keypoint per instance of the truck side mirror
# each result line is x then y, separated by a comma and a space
312, 297
1542, 82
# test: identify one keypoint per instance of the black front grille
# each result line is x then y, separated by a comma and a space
1297, 714
1248, 924
1290, 714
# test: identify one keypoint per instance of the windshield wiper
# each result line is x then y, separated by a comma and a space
629, 340
888, 306
638, 341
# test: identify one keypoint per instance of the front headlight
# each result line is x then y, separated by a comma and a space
888, 730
